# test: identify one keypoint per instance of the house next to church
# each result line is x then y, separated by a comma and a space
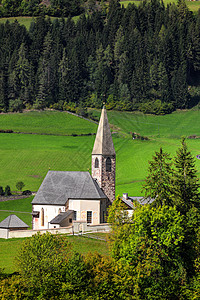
66, 196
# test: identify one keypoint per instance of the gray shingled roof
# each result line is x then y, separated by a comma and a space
103, 143
128, 202
140, 200
61, 217
59, 186
13, 221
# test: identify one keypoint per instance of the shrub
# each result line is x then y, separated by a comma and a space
1, 191
156, 107
27, 192
7, 191
57, 106
82, 111
69, 106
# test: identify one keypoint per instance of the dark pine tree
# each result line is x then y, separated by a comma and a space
185, 182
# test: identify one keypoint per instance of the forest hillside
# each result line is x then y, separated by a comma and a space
144, 57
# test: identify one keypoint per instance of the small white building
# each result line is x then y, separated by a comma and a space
11, 223
65, 196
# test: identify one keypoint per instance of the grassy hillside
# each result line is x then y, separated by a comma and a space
20, 207
26, 21
10, 248
192, 5
168, 126
48, 122
28, 157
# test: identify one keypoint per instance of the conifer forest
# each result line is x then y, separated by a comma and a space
144, 57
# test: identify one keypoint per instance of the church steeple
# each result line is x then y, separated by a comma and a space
103, 143
103, 158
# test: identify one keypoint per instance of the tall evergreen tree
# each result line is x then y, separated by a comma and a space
185, 182
3, 90
46, 82
64, 73
24, 72
180, 87
158, 182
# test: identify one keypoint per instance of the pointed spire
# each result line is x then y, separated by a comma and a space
103, 143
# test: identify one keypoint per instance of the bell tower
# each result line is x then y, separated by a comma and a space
104, 157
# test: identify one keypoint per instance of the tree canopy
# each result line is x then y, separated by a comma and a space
143, 57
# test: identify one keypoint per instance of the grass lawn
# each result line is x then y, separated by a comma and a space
28, 157
192, 5
26, 21
9, 249
23, 205
21, 208
45, 121
174, 125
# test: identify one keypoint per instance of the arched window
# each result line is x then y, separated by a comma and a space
42, 217
96, 164
108, 164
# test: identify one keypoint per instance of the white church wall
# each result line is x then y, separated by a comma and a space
53, 226
82, 206
50, 212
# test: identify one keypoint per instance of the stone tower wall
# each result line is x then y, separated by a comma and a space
108, 178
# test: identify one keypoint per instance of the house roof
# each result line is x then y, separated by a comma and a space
59, 186
129, 203
103, 143
13, 221
141, 200
61, 217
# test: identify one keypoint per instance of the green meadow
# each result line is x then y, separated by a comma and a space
192, 5
46, 122
26, 21
20, 207
28, 157
9, 249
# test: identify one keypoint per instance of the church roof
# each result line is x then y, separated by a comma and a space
13, 221
103, 143
61, 217
59, 186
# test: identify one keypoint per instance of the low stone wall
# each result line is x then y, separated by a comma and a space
29, 233
83, 227
78, 227
4, 233
101, 227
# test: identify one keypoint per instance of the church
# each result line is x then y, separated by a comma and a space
68, 196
